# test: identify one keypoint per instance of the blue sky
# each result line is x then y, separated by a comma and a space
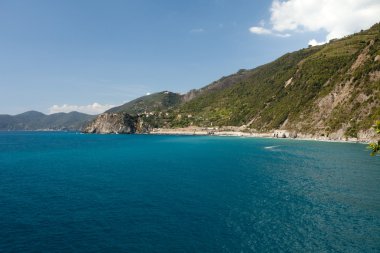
73, 54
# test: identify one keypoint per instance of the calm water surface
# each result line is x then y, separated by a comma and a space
68, 192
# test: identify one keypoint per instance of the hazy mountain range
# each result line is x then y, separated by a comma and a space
33, 120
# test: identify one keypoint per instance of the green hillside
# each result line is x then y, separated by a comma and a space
317, 90
155, 102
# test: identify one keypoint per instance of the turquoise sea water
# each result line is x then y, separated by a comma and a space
68, 192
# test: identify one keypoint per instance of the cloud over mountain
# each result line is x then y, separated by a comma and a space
337, 18
94, 108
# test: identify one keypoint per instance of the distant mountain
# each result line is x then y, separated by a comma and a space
33, 120
155, 102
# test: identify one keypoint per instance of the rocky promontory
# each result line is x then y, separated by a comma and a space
116, 123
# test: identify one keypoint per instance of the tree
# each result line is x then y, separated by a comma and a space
375, 147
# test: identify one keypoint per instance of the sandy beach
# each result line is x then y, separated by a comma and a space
237, 133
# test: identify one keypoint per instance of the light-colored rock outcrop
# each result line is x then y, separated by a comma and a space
117, 123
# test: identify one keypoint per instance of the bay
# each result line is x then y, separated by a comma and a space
70, 192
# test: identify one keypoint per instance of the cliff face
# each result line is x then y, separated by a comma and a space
118, 123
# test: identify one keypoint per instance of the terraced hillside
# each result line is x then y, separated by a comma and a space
333, 88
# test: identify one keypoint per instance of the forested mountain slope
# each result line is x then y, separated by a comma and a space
319, 90
159, 101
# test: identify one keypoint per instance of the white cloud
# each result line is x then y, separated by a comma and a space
94, 108
282, 35
259, 30
313, 42
337, 18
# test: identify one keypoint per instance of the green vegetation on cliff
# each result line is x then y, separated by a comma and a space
375, 146
155, 102
318, 90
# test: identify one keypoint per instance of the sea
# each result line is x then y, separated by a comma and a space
72, 192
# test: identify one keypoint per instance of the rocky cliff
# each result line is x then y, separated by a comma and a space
117, 123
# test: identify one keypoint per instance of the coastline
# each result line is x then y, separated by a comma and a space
270, 135
221, 133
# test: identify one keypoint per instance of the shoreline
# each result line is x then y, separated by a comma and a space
301, 137
200, 132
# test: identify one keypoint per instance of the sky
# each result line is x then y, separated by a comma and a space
90, 55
